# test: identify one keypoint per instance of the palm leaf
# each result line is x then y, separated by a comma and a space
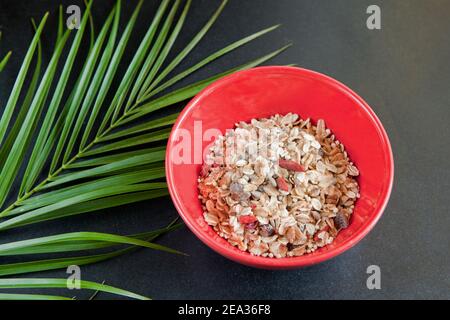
18, 149
92, 152
15, 93
21, 296
75, 238
5, 59
62, 283
89, 97
57, 263
81, 242
7, 145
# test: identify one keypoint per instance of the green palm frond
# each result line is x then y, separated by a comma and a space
32, 283
70, 124
92, 145
5, 59
22, 296
91, 244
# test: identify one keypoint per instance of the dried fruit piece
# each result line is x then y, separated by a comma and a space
251, 226
266, 230
291, 165
247, 219
282, 184
340, 221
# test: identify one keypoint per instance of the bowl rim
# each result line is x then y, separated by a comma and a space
289, 262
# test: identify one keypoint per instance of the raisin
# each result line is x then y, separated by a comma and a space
340, 221
252, 225
266, 230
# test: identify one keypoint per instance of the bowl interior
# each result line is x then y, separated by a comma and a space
262, 92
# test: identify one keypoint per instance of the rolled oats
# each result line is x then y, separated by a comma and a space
278, 187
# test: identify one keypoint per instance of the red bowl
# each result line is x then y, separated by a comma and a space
265, 91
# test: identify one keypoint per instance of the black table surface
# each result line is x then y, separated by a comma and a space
402, 71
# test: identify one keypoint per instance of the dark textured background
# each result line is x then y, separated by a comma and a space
402, 71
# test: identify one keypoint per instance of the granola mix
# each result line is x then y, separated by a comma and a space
278, 187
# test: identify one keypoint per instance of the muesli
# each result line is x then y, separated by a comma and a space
278, 187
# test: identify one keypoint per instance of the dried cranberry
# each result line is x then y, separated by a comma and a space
266, 230
247, 219
282, 184
291, 165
